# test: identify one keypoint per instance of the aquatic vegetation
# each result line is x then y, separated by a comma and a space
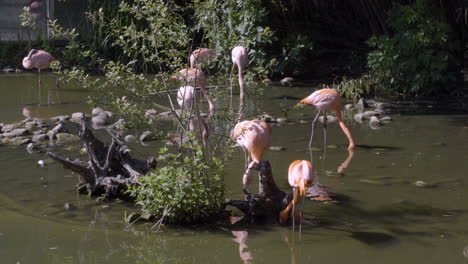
188, 188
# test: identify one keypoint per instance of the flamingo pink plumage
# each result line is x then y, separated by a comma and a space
253, 137
201, 56
323, 100
38, 59
240, 58
197, 78
300, 175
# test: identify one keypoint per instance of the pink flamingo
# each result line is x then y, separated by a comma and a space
38, 59
253, 137
239, 58
201, 56
195, 76
300, 175
323, 100
185, 96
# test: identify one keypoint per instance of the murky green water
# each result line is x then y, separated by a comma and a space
387, 219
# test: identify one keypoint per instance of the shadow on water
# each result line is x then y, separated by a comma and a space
378, 147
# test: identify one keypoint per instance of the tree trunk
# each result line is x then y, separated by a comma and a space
265, 206
109, 169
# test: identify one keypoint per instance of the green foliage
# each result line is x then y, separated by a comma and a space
355, 88
11, 53
28, 19
226, 24
296, 49
414, 61
186, 189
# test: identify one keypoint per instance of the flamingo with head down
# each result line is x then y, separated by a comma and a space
253, 137
239, 58
324, 100
38, 59
201, 56
197, 78
300, 175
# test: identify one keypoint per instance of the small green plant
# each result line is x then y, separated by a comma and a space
355, 88
186, 189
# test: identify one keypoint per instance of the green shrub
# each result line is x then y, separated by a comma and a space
186, 189
355, 88
414, 61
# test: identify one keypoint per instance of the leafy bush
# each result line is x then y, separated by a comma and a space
355, 88
226, 24
296, 49
414, 61
186, 189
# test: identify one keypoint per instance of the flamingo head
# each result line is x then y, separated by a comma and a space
301, 103
284, 216
174, 77
27, 64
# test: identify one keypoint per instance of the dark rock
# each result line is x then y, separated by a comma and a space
358, 117
384, 106
69, 206
40, 131
348, 107
330, 119
287, 81
30, 125
361, 104
374, 122
267, 118
369, 114
60, 128
151, 113
66, 137
16, 133
51, 134
281, 120
130, 138
41, 123
96, 111
31, 148
16, 141
61, 118
39, 138
277, 148
9, 127
145, 136
76, 117
8, 69
386, 119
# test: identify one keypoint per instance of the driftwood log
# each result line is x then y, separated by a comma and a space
264, 206
109, 168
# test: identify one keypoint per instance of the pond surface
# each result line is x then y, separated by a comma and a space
386, 218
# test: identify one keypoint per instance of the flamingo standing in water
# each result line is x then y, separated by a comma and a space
253, 137
300, 175
195, 76
201, 56
239, 58
38, 59
324, 100
185, 96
